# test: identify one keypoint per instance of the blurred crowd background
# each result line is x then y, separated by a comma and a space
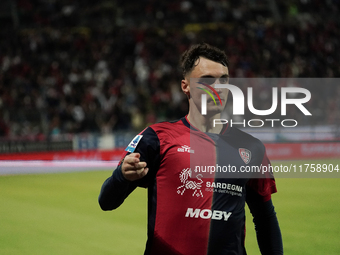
109, 65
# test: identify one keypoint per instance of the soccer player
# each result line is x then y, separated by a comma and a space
192, 211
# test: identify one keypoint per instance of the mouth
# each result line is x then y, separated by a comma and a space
216, 100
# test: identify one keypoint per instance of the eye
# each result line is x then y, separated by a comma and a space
224, 80
207, 81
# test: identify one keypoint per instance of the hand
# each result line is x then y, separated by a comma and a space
132, 168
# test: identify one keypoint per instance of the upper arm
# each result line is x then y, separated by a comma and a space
149, 149
265, 184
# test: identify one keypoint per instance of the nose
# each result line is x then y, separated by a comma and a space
218, 90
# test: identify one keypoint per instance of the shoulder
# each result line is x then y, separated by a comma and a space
170, 128
162, 130
167, 125
244, 138
246, 144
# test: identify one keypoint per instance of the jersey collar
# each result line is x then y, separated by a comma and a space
186, 122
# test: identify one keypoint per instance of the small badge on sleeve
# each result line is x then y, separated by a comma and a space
133, 144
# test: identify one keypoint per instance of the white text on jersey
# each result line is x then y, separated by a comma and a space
207, 214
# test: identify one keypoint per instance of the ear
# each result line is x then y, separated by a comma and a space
185, 87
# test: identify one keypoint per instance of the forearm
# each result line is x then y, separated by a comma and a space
114, 191
266, 225
268, 231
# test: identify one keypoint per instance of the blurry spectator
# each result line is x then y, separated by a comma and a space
4, 129
111, 65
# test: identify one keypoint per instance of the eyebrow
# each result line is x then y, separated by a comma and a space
210, 76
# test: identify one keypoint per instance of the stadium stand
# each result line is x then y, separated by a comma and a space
103, 66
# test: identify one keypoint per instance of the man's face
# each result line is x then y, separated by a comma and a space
202, 80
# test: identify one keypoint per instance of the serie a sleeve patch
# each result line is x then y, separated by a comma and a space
133, 144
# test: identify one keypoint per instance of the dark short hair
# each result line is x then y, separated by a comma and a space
205, 50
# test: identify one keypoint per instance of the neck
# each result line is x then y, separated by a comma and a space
205, 123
